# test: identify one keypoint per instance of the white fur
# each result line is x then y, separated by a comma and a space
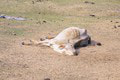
67, 38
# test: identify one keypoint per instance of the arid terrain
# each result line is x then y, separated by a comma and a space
48, 17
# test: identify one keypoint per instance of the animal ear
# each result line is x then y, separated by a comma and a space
62, 46
85, 31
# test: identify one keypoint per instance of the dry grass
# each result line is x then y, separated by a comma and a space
19, 62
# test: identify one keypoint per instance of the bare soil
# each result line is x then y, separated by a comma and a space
18, 62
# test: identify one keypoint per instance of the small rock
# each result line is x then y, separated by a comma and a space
89, 2
116, 22
23, 43
92, 15
44, 21
111, 21
115, 26
14, 34
86, 2
92, 3
99, 44
33, 2
118, 25
47, 79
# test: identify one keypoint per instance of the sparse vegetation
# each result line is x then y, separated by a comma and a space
50, 17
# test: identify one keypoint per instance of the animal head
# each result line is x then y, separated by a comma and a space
68, 49
83, 42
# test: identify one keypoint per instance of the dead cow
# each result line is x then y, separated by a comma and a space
66, 41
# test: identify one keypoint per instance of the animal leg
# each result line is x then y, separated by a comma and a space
34, 42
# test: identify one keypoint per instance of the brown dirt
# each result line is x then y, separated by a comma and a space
18, 62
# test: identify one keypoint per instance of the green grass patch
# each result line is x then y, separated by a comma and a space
9, 31
76, 13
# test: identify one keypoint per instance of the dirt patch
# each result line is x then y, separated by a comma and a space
18, 62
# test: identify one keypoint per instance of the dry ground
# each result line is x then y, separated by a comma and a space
45, 17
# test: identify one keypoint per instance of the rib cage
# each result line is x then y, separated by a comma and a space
70, 34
